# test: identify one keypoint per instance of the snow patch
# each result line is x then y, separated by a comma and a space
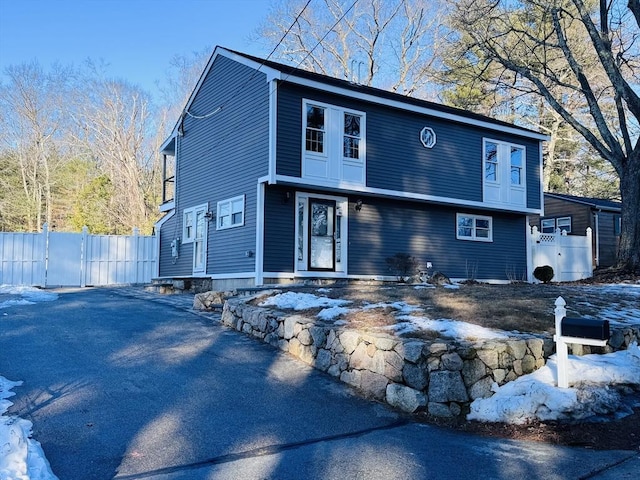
21, 457
536, 397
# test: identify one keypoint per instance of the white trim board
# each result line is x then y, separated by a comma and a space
346, 189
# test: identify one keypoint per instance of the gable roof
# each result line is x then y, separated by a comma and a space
597, 203
291, 74
290, 71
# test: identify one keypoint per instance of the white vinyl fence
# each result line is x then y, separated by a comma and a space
53, 259
570, 256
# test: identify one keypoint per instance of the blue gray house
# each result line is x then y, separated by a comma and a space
274, 174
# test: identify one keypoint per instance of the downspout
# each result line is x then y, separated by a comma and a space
597, 237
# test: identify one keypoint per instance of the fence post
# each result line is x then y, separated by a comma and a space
83, 257
45, 252
531, 254
136, 246
589, 250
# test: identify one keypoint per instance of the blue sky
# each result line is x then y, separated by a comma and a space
136, 38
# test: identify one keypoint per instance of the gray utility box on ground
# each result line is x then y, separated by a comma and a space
585, 328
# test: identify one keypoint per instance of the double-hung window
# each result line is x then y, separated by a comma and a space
333, 148
474, 227
549, 225
230, 213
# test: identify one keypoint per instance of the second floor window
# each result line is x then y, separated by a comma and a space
315, 129
351, 135
333, 143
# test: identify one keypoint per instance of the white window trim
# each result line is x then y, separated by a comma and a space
548, 221
564, 229
473, 237
230, 202
333, 152
503, 191
190, 212
556, 224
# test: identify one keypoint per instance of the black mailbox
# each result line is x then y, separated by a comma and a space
585, 328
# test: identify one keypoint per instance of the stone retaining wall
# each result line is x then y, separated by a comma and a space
441, 377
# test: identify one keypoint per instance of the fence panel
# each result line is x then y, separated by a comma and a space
76, 259
22, 259
64, 259
568, 255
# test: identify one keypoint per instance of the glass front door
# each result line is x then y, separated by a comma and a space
322, 230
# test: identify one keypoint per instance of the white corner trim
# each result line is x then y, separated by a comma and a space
259, 257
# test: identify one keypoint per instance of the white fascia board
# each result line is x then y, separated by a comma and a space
345, 189
414, 108
269, 72
168, 141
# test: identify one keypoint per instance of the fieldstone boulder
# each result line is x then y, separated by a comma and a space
446, 386
405, 398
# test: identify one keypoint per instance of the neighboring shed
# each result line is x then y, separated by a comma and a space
574, 214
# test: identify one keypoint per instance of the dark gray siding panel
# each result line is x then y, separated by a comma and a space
427, 232
396, 159
580, 214
279, 232
222, 156
170, 267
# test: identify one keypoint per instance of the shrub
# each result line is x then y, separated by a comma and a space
543, 273
403, 266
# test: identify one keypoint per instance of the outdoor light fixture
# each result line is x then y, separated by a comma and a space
286, 197
209, 216
358, 206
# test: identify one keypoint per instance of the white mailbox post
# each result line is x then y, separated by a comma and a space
562, 353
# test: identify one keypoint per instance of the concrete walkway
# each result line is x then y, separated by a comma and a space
125, 384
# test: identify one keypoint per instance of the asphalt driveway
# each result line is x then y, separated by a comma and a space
123, 384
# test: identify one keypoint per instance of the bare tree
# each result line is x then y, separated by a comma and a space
571, 52
114, 127
32, 129
382, 43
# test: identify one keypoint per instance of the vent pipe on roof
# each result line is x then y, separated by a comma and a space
354, 79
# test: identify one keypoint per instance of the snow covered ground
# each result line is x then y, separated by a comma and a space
530, 397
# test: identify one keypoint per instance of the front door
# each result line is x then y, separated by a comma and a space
322, 238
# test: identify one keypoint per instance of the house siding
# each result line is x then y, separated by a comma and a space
384, 227
580, 214
220, 157
279, 231
396, 159
428, 232
170, 266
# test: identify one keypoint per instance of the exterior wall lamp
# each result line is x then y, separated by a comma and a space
358, 205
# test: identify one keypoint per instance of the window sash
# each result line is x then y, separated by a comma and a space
548, 225
230, 213
315, 121
491, 162
474, 227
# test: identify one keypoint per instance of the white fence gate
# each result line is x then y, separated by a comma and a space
51, 259
570, 256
